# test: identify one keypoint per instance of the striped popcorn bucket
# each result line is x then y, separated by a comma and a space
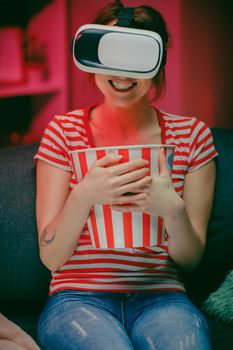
112, 229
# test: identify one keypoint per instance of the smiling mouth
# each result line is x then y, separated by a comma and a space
122, 86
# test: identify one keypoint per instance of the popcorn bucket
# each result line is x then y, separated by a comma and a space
112, 229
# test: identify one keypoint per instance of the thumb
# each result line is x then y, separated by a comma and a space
163, 168
109, 159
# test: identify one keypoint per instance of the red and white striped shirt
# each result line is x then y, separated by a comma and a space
129, 269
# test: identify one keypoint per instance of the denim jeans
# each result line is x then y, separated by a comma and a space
80, 320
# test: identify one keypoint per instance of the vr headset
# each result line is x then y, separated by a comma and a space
118, 50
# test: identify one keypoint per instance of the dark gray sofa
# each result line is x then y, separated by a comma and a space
24, 280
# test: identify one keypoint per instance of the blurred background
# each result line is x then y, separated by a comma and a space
38, 78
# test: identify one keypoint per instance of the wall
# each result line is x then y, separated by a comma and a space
51, 27
207, 57
199, 68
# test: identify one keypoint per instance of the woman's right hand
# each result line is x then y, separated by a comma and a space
108, 182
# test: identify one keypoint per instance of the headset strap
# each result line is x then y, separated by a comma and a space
125, 17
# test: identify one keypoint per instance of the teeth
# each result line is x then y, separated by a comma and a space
122, 86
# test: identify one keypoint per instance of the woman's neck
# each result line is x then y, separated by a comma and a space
124, 119
112, 125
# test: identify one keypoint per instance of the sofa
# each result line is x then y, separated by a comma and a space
24, 280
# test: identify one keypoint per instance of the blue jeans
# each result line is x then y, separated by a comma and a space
78, 320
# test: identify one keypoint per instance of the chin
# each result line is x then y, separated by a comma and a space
123, 103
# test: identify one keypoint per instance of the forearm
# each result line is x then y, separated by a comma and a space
59, 239
184, 245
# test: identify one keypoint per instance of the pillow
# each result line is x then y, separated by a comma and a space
219, 304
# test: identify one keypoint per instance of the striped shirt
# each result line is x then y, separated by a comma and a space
129, 269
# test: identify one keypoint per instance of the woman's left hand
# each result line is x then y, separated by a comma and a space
161, 195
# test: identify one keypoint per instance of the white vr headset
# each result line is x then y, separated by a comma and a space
118, 50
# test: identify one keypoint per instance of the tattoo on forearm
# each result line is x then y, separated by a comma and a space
46, 241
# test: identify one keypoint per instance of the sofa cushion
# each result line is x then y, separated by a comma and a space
217, 260
22, 275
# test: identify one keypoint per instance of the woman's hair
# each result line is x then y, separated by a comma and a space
145, 17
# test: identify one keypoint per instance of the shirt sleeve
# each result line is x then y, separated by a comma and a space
53, 148
202, 148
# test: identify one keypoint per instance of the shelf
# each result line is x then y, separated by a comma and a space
46, 89
29, 89
49, 78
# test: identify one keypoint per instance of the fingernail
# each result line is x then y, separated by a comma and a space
117, 156
162, 150
145, 161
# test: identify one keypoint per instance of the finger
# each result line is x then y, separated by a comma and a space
144, 189
127, 208
163, 168
124, 208
126, 199
132, 176
140, 203
108, 160
136, 185
129, 166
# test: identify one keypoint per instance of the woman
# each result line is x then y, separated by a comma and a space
130, 298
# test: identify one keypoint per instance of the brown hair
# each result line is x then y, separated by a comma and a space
145, 17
